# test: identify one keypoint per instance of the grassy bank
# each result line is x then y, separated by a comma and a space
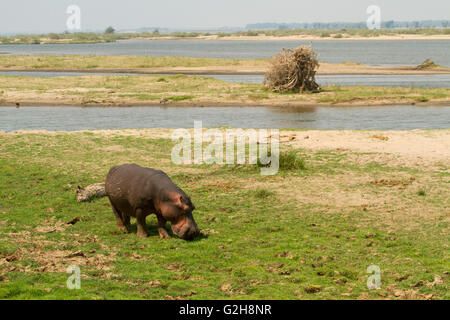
335, 34
263, 237
193, 90
86, 62
149, 64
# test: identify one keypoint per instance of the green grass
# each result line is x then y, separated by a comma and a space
82, 62
296, 235
291, 160
338, 94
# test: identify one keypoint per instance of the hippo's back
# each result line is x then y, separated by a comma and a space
128, 180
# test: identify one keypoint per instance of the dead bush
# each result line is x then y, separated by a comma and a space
293, 70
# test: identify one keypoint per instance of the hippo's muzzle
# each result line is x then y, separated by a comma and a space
186, 229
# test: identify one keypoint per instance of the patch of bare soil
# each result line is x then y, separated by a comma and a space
387, 200
52, 256
55, 260
393, 183
413, 148
52, 225
392, 292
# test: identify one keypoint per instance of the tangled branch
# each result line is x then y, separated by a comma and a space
293, 70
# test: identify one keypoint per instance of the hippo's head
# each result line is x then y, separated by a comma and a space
178, 210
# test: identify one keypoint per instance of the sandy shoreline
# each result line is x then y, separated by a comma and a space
324, 69
262, 37
210, 104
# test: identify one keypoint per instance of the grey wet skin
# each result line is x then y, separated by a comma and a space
136, 191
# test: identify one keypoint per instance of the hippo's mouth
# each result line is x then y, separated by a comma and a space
186, 233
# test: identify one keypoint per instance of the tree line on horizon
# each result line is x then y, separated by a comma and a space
389, 24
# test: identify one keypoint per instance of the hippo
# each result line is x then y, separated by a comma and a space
136, 191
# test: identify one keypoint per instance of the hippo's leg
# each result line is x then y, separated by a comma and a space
120, 219
126, 220
140, 222
162, 228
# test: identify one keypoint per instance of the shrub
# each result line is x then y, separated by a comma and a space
54, 36
288, 160
293, 70
181, 98
263, 193
427, 64
251, 33
110, 30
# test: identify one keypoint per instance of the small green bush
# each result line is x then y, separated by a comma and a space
251, 33
263, 193
181, 98
288, 160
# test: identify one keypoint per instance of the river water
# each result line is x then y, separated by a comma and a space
83, 118
371, 52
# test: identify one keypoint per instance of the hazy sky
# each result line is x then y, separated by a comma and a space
51, 16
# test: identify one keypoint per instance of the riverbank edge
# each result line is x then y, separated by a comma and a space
260, 37
231, 104
388, 71
398, 37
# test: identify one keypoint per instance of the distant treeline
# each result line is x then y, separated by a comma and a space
349, 25
323, 30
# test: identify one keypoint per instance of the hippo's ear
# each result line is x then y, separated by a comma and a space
183, 203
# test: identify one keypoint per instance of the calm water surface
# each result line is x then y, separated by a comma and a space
79, 118
371, 52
